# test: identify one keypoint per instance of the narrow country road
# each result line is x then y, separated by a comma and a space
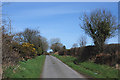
54, 68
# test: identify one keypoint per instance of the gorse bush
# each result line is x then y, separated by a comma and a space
21, 46
10, 53
28, 50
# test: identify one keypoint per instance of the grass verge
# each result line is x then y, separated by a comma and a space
29, 69
90, 68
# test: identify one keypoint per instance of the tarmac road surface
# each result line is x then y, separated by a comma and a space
54, 68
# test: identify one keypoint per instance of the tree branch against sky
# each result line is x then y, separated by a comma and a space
55, 44
82, 41
62, 18
99, 25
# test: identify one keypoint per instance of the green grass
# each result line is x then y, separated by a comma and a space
29, 69
90, 68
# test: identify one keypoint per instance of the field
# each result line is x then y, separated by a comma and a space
31, 68
90, 68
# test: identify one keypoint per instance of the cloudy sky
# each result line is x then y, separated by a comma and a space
55, 19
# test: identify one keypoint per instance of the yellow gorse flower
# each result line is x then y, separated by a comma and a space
30, 47
27, 45
34, 49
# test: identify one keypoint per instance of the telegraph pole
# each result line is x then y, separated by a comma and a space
9, 25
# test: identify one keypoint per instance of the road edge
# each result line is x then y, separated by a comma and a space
84, 75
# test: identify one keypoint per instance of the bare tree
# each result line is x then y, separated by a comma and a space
99, 25
82, 41
44, 44
29, 35
54, 40
56, 47
75, 45
55, 44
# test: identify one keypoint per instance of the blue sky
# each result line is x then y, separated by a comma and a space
55, 19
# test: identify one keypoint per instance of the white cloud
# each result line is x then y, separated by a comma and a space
45, 12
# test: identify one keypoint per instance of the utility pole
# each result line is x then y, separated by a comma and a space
10, 37
9, 25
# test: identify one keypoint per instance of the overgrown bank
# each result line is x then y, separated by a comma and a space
90, 68
110, 55
32, 68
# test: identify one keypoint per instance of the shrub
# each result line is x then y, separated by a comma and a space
10, 52
111, 48
62, 52
110, 55
86, 53
72, 51
47, 53
39, 51
56, 53
106, 59
27, 51
68, 52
